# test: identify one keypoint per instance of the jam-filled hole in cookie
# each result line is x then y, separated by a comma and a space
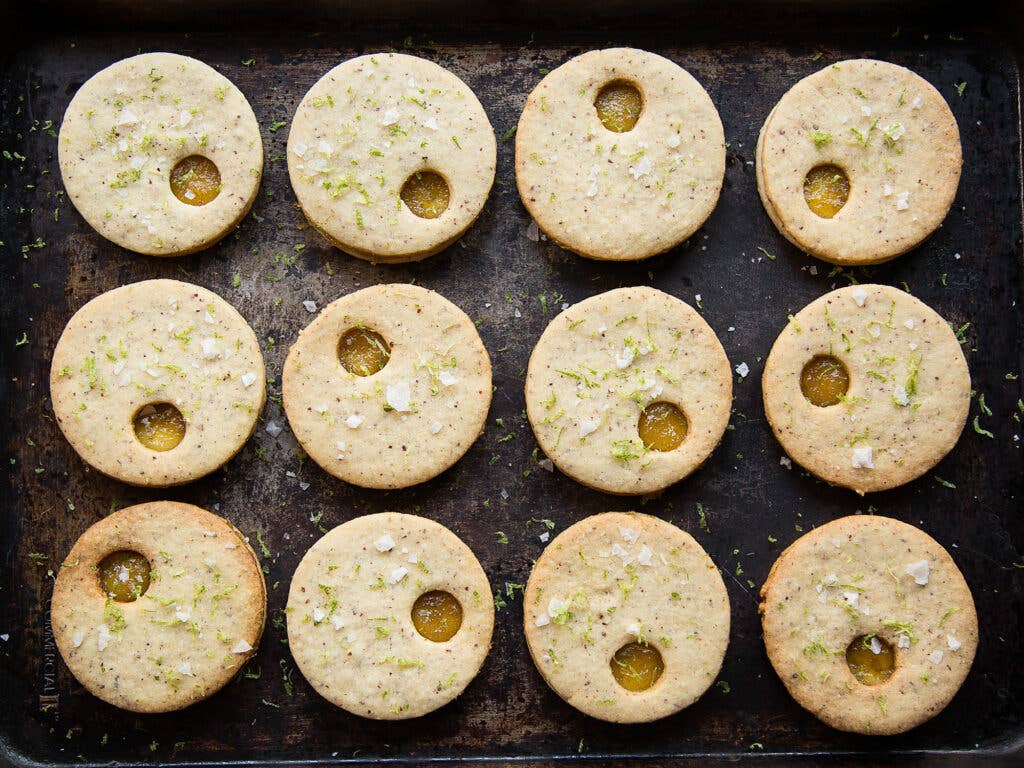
363, 352
662, 426
437, 615
826, 190
637, 666
195, 180
123, 575
824, 380
871, 659
159, 426
619, 105
426, 194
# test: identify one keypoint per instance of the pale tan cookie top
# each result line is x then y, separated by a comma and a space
892, 134
861, 575
157, 341
350, 616
129, 125
363, 129
618, 578
187, 635
909, 392
411, 420
596, 367
619, 196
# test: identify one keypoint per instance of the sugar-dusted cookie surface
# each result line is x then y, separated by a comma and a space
190, 618
893, 595
405, 421
390, 616
893, 137
391, 157
630, 191
157, 383
890, 380
124, 134
614, 598
628, 391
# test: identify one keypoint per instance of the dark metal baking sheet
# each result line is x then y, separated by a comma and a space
970, 271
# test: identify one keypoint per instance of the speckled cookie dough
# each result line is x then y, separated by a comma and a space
390, 616
384, 135
890, 385
626, 617
869, 624
630, 191
892, 136
158, 606
157, 383
628, 391
125, 133
413, 403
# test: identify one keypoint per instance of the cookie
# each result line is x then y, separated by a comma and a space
157, 383
628, 391
867, 388
158, 606
391, 157
389, 616
626, 617
388, 386
869, 624
859, 162
160, 154
620, 154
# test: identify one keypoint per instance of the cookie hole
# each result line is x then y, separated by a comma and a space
871, 659
437, 616
662, 426
619, 105
824, 380
159, 426
363, 352
124, 575
426, 194
195, 180
637, 666
826, 190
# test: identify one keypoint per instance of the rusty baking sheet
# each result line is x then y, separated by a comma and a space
742, 506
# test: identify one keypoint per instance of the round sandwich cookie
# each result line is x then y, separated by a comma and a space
869, 624
859, 162
391, 157
867, 388
388, 387
161, 154
157, 383
628, 391
158, 606
390, 616
620, 154
626, 617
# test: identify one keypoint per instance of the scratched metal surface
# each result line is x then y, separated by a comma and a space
495, 270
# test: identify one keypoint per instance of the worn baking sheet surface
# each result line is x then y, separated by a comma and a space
970, 271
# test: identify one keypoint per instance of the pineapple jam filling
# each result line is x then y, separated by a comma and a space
871, 659
662, 426
618, 106
826, 190
159, 427
195, 180
363, 352
824, 380
426, 194
437, 616
637, 666
124, 576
